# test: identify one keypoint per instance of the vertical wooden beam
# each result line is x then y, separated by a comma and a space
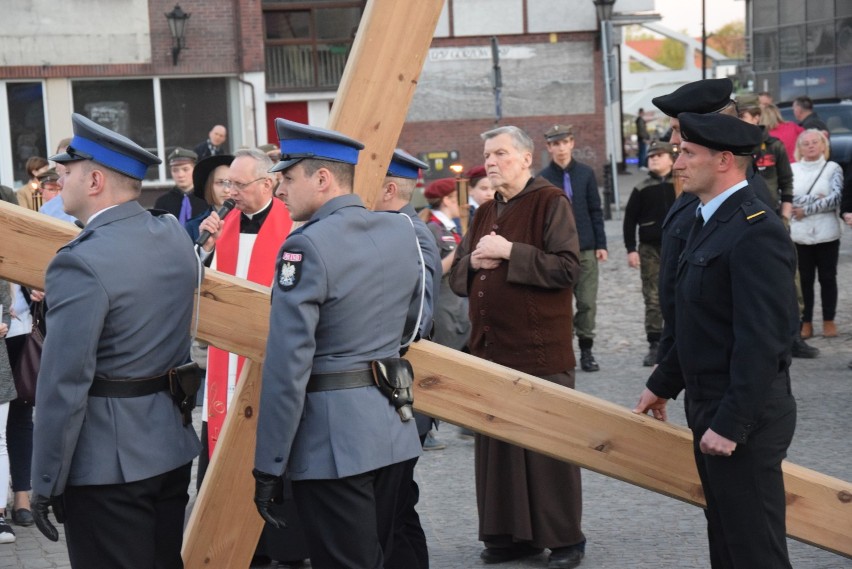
379, 82
224, 527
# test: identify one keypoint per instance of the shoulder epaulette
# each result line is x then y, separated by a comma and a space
754, 211
82, 236
302, 227
157, 212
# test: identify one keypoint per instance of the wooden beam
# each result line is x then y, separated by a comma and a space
379, 81
223, 529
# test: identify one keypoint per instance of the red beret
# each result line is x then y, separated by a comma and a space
476, 173
440, 188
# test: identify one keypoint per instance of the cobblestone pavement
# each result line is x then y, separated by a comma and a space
626, 527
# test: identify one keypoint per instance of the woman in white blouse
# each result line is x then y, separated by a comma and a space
815, 227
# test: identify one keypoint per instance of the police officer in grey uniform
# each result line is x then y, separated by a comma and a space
112, 453
409, 547
344, 285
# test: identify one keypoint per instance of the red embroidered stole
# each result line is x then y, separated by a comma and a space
261, 270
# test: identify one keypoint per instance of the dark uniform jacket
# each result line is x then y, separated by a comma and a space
586, 202
647, 208
733, 321
172, 200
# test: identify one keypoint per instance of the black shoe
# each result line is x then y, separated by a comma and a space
22, 517
801, 349
651, 358
565, 558
491, 555
587, 360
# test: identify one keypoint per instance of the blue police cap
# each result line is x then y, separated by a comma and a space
300, 141
93, 142
704, 96
404, 165
720, 132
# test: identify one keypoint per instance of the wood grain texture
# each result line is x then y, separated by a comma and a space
372, 101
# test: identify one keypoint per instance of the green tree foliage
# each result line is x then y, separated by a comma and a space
672, 54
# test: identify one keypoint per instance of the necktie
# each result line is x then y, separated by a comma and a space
696, 227
566, 185
185, 210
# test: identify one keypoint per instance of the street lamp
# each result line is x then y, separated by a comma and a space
177, 26
604, 10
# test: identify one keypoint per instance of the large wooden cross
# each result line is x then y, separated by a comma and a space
376, 89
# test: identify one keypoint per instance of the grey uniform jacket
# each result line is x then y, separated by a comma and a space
120, 304
433, 270
345, 283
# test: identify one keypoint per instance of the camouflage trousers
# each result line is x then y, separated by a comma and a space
649, 268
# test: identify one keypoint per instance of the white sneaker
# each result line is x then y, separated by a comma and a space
7, 535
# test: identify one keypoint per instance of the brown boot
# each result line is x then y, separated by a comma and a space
807, 330
829, 330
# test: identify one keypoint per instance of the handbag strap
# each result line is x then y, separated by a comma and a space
819, 174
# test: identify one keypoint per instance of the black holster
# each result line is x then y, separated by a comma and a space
184, 382
394, 378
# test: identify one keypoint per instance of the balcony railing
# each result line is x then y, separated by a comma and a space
300, 67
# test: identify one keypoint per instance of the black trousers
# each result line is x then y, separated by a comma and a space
409, 541
137, 525
349, 522
745, 492
819, 260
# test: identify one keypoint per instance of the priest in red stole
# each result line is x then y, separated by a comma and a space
245, 245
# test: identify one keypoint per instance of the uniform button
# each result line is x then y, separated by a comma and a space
495, 226
482, 277
482, 313
279, 459
487, 328
677, 230
701, 259
45, 478
480, 294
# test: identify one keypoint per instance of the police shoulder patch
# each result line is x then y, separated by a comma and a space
289, 269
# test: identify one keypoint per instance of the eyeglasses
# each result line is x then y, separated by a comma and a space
224, 183
240, 186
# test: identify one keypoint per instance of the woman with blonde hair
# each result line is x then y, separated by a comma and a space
815, 226
785, 131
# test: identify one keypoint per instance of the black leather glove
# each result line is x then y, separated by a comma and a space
40, 507
268, 490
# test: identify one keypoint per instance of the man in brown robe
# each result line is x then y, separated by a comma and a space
518, 264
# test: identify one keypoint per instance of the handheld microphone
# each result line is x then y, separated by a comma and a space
227, 206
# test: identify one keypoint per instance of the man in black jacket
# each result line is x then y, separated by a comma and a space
736, 310
578, 182
646, 209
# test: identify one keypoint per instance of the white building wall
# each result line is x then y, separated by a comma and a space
74, 32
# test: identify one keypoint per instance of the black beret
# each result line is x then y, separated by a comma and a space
720, 132
705, 96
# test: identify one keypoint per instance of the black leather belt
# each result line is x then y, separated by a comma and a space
340, 380
128, 387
